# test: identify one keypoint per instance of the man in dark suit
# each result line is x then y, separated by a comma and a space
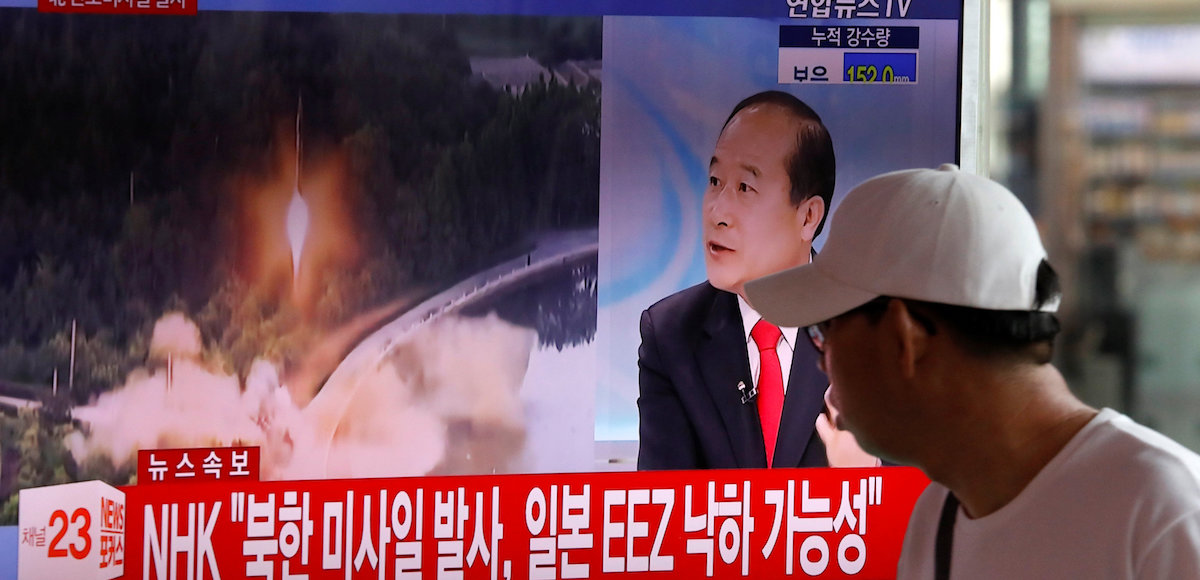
702, 400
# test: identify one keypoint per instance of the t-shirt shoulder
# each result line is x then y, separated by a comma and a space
1159, 456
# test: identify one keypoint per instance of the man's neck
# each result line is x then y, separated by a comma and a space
995, 446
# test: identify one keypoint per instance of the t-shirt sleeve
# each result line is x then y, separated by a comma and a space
1174, 553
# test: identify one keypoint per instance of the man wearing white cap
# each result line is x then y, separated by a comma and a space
932, 305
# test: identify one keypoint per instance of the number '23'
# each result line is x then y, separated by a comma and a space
82, 533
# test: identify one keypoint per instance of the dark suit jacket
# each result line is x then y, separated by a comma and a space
691, 416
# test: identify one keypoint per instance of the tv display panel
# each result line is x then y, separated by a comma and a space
387, 239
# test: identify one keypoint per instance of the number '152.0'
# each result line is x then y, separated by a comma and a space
869, 73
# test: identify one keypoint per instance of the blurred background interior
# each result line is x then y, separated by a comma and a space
1095, 124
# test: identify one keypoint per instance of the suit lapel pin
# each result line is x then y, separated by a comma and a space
746, 397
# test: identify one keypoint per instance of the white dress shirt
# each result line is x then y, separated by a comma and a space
785, 348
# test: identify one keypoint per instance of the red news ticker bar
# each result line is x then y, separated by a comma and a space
146, 7
831, 523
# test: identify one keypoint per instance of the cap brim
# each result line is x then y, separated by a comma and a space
803, 296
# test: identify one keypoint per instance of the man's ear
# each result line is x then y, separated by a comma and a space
810, 213
912, 337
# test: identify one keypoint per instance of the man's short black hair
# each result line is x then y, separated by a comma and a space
811, 167
987, 333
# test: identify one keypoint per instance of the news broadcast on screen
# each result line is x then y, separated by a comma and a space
380, 289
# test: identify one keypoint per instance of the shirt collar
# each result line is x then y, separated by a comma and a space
750, 317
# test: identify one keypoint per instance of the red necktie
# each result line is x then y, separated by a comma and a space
770, 383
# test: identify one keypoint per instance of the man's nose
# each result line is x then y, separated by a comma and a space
716, 207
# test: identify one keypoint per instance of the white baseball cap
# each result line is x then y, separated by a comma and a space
941, 236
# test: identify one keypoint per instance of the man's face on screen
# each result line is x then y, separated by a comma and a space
751, 228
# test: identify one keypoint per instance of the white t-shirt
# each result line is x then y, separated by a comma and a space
1118, 501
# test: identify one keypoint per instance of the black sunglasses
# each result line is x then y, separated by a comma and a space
874, 307
816, 332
